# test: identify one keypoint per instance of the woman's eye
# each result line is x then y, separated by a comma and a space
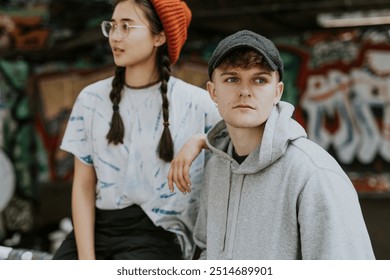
124, 27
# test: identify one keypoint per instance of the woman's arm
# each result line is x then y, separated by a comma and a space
179, 173
83, 209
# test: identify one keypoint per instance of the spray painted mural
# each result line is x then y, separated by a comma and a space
342, 95
37, 41
338, 81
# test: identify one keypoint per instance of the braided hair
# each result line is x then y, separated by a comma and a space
117, 130
116, 133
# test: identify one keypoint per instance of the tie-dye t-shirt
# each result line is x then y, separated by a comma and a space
132, 173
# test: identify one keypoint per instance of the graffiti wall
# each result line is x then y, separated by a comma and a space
46, 55
338, 81
340, 85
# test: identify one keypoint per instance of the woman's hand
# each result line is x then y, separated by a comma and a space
179, 173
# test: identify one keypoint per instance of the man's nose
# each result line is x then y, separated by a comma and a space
245, 91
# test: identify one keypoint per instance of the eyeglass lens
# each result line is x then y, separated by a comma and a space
108, 28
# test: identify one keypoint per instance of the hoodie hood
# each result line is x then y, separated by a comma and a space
279, 130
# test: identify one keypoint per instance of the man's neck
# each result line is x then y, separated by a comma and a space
245, 140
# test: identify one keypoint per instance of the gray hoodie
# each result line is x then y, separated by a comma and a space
289, 199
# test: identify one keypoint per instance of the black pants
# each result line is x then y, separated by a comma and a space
125, 234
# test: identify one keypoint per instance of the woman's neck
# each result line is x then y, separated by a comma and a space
143, 86
141, 77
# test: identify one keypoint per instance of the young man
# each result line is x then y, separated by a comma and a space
270, 193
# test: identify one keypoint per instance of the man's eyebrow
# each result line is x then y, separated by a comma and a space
228, 73
264, 72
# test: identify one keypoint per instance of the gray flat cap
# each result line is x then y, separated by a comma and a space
246, 38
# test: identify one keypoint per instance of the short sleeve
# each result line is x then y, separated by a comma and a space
76, 138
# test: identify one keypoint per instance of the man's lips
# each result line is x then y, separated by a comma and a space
243, 106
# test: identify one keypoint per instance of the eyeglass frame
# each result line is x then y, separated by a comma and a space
114, 29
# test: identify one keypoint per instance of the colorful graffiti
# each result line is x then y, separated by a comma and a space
17, 130
339, 83
344, 100
352, 98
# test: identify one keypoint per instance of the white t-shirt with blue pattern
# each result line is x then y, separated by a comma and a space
132, 173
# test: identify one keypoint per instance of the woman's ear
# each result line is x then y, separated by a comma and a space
160, 39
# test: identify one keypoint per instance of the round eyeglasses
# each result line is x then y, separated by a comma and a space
122, 29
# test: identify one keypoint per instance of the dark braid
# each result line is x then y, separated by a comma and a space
117, 131
163, 62
165, 147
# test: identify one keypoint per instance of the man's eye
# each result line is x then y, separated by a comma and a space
231, 80
260, 80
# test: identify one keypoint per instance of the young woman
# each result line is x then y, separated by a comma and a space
124, 132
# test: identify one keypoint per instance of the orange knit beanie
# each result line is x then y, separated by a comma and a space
175, 17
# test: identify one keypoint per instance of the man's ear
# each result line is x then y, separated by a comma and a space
211, 89
160, 39
279, 92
